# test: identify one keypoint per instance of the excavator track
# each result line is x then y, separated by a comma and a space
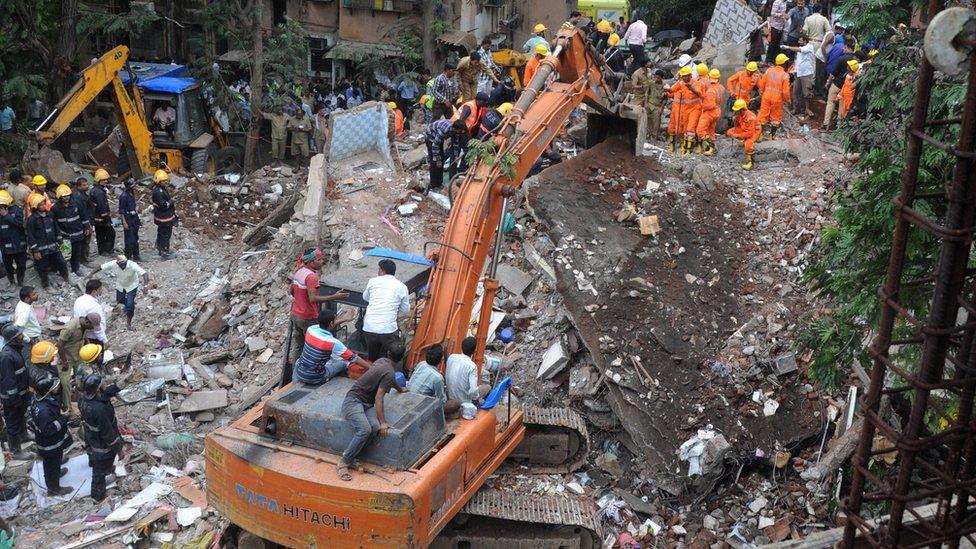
508, 520
556, 441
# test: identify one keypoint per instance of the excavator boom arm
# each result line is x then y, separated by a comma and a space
476, 213
101, 74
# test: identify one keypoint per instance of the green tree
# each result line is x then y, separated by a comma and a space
852, 257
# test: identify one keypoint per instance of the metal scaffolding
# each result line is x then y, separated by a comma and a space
935, 468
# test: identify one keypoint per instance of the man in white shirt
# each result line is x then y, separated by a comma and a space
461, 375
777, 24
387, 298
165, 118
24, 316
635, 37
803, 83
128, 274
816, 27
88, 303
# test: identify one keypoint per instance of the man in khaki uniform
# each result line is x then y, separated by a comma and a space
469, 71
279, 132
71, 339
301, 126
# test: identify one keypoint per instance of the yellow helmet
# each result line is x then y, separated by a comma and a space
739, 105
702, 69
101, 174
684, 71
391, 105
714, 73
614, 40
604, 26
781, 59
853, 65
43, 352
62, 191
505, 109
752, 66
539, 27
90, 352
160, 176
40, 180
6, 198
872, 53
36, 200
541, 49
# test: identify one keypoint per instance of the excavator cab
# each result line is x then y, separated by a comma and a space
192, 130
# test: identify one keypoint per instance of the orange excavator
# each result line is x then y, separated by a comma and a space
272, 472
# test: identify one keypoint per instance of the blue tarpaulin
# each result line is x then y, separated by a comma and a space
148, 71
167, 84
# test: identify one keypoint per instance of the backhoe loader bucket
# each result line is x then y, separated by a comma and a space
629, 124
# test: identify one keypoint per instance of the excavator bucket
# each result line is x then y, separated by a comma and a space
629, 124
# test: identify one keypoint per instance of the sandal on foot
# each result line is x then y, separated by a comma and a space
342, 471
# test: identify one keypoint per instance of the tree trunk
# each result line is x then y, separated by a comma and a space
257, 84
64, 49
429, 43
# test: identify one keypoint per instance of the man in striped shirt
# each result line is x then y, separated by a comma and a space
323, 356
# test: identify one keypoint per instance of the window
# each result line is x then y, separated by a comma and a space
401, 6
317, 63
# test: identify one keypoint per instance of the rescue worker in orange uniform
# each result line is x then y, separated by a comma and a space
541, 51
747, 129
397, 118
846, 95
683, 96
691, 129
742, 83
711, 109
775, 89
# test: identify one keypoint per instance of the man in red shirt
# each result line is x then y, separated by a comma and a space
306, 298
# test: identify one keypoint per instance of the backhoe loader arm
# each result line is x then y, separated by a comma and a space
102, 74
475, 216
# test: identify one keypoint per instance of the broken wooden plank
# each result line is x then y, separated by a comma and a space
841, 451
187, 487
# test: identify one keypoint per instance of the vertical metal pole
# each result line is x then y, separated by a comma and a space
499, 238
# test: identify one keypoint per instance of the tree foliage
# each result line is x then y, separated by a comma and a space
852, 257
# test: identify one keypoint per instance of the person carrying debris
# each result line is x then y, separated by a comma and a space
747, 129
301, 126
846, 95
102, 214
741, 84
279, 131
50, 427
470, 69
164, 214
129, 212
44, 364
386, 299
540, 53
426, 379
43, 242
712, 95
72, 338
492, 120
128, 275
461, 375
86, 304
368, 391
436, 133
538, 37
775, 89
323, 355
72, 225
684, 96
306, 298
14, 382
101, 430
445, 93
13, 239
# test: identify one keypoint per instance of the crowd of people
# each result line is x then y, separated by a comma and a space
43, 373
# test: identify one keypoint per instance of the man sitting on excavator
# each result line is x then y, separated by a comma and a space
323, 356
366, 392
165, 118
